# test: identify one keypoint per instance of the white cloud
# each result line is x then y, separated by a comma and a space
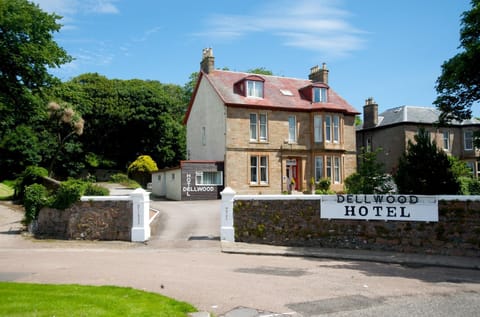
103, 6
317, 25
70, 8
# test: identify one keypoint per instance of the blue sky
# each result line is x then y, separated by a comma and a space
389, 50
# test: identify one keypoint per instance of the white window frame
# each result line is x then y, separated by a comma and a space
254, 88
329, 170
253, 127
258, 170
202, 180
328, 128
336, 129
318, 128
337, 170
318, 168
320, 94
468, 140
292, 129
258, 127
446, 140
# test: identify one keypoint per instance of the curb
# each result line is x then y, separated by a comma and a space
408, 259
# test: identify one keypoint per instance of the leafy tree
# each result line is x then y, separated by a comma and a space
370, 177
260, 71
27, 51
126, 118
425, 169
458, 86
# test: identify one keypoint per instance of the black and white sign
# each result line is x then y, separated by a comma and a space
380, 207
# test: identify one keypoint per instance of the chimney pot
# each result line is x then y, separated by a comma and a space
370, 113
208, 60
319, 75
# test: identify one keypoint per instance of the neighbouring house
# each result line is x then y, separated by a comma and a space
272, 133
392, 129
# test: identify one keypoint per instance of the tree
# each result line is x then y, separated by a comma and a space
370, 177
458, 86
27, 51
425, 169
260, 71
64, 123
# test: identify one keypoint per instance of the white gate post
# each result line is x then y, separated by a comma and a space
141, 215
227, 232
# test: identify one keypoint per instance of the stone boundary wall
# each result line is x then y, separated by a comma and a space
124, 218
291, 221
87, 220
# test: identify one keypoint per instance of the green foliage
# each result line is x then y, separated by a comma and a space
95, 190
36, 197
123, 179
19, 148
143, 164
68, 193
141, 170
322, 187
370, 177
27, 52
23, 299
458, 86
145, 115
31, 175
459, 168
425, 169
469, 186
260, 71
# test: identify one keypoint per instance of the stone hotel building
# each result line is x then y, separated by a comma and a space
270, 132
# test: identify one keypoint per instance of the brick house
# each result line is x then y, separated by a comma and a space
392, 129
270, 130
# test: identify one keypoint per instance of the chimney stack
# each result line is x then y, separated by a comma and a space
208, 60
319, 75
370, 113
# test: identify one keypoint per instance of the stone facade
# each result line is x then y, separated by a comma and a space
296, 222
278, 150
87, 220
391, 131
250, 129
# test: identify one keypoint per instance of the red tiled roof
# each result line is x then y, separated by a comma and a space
224, 82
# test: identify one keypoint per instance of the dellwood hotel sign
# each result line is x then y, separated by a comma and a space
380, 207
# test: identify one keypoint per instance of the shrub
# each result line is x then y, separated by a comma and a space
95, 190
141, 169
36, 197
323, 187
469, 186
68, 193
31, 175
123, 179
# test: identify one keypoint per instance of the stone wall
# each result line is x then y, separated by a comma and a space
87, 220
296, 222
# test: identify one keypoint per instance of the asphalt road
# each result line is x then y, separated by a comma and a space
184, 261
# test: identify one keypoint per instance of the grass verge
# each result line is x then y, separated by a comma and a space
24, 299
6, 192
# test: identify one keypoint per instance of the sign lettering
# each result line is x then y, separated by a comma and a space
380, 207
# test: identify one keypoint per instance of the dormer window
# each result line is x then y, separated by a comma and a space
319, 94
254, 88
315, 93
250, 86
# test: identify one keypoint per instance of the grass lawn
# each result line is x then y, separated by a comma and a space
5, 191
22, 299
